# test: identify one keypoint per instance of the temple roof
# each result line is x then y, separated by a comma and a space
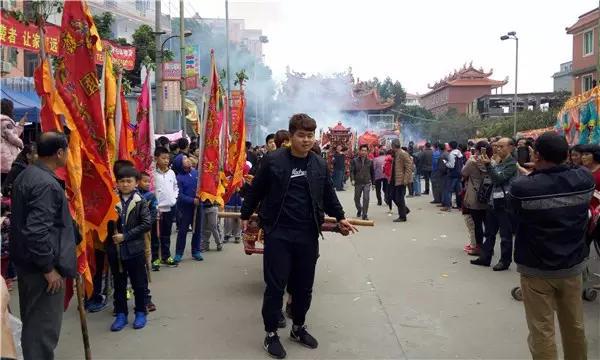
366, 101
339, 128
467, 76
583, 21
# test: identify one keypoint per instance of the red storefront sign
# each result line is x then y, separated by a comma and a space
16, 34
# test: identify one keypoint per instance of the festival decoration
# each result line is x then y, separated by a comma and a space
236, 152
578, 119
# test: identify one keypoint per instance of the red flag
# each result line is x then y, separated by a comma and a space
209, 185
143, 137
125, 132
87, 165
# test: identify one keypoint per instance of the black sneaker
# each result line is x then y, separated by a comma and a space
365, 217
303, 337
282, 322
273, 346
358, 213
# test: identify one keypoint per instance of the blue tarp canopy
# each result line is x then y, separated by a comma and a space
24, 102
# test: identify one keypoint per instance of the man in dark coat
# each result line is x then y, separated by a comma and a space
42, 247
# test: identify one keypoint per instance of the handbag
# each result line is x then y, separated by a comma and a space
484, 192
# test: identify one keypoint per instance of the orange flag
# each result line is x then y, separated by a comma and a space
236, 154
110, 104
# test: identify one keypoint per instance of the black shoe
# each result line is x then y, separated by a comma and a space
400, 220
358, 213
481, 262
500, 266
365, 217
273, 346
288, 310
379, 203
407, 210
435, 202
282, 322
425, 193
303, 337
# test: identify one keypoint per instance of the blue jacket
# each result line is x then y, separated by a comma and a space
152, 203
187, 183
434, 159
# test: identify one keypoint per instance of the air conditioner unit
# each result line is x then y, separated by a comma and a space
5, 66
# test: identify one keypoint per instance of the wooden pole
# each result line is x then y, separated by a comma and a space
82, 319
236, 215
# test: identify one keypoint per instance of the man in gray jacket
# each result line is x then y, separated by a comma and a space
42, 247
361, 176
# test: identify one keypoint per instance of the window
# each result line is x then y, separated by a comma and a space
587, 83
588, 43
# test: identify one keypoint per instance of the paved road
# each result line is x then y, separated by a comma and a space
394, 291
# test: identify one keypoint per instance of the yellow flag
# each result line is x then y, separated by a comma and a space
110, 104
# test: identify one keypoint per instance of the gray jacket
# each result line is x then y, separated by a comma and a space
362, 171
42, 233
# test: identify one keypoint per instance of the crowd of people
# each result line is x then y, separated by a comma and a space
536, 194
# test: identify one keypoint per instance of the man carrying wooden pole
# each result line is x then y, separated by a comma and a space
294, 189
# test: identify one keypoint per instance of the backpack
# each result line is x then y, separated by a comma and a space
459, 162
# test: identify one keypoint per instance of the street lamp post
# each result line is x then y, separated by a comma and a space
159, 81
513, 35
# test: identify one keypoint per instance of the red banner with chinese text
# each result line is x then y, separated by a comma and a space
78, 86
209, 185
16, 34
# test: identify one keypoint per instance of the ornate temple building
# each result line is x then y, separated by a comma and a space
459, 89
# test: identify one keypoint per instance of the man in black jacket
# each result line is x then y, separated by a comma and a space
42, 247
294, 189
361, 176
426, 165
550, 247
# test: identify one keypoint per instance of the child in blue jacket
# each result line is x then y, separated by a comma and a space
187, 204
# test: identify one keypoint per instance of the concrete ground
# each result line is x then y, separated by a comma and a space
400, 291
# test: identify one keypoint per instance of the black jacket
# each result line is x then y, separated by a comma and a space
552, 208
137, 224
270, 186
425, 160
362, 171
42, 233
16, 168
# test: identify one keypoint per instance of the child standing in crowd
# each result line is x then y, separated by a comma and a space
150, 198
187, 204
166, 195
210, 225
125, 249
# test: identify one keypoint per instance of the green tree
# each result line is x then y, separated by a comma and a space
104, 24
143, 40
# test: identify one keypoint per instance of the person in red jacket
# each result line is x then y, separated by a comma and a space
387, 171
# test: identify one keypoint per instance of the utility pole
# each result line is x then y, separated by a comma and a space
158, 80
516, 83
227, 55
182, 55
